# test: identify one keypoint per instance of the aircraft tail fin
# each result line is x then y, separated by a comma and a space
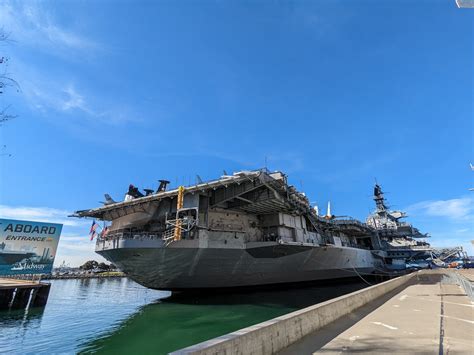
108, 200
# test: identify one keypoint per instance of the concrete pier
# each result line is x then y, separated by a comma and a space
17, 294
430, 316
424, 313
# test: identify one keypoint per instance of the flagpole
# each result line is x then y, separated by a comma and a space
92, 232
103, 230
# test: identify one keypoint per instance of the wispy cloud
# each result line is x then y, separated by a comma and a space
73, 101
75, 250
30, 23
74, 237
34, 28
450, 222
457, 209
76, 247
63, 96
40, 214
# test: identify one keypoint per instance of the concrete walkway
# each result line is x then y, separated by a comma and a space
14, 283
431, 316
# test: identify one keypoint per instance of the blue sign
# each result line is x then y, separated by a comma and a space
27, 247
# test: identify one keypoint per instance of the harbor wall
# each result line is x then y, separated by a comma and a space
278, 333
18, 294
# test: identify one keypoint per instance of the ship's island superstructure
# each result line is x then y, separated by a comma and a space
400, 241
248, 228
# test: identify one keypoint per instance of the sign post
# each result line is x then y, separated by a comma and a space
27, 247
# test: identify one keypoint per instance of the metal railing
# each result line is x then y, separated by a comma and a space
410, 247
130, 235
349, 221
459, 279
168, 235
467, 285
182, 225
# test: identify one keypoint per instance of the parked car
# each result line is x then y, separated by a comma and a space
469, 265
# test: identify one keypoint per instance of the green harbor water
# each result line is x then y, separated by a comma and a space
118, 316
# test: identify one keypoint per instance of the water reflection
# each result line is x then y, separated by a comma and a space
77, 311
118, 316
22, 319
185, 319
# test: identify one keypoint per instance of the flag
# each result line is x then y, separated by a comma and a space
104, 232
92, 232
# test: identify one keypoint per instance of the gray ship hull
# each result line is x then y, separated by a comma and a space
250, 228
180, 268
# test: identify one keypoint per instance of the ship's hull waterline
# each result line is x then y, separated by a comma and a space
203, 268
247, 229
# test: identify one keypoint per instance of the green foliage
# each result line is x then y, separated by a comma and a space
103, 266
90, 265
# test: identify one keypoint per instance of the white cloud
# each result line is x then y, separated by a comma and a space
457, 209
61, 95
450, 222
31, 24
40, 214
74, 100
75, 250
74, 237
62, 98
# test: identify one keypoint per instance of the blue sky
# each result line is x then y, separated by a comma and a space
335, 93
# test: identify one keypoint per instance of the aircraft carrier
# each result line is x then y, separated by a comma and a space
9, 257
245, 229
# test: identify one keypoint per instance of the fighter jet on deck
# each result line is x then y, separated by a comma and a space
108, 200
